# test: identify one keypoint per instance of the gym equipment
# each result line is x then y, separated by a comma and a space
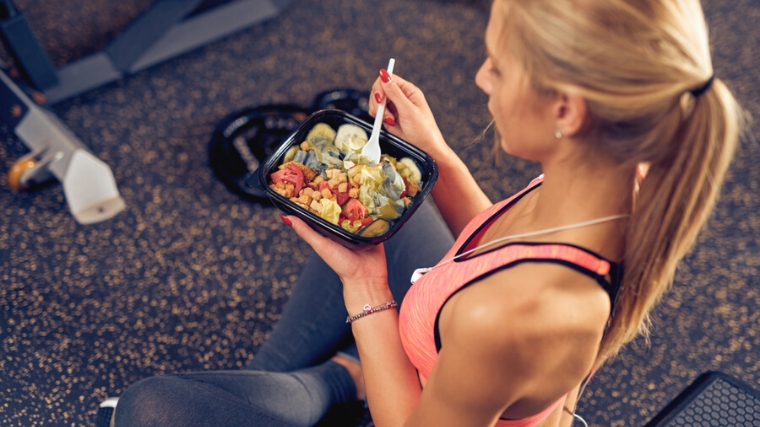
713, 399
244, 139
352, 101
88, 183
167, 29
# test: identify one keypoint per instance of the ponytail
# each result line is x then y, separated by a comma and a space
672, 205
644, 70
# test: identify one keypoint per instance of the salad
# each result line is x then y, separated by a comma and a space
327, 176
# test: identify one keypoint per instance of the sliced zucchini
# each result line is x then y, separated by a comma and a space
321, 135
350, 138
290, 154
414, 173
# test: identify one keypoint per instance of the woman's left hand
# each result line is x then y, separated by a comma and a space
365, 266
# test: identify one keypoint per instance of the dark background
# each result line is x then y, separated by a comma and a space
192, 277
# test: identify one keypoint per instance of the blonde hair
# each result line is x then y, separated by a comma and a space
636, 63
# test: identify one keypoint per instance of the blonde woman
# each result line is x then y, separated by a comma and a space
618, 102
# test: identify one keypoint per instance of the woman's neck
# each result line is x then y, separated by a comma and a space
572, 195
583, 193
588, 188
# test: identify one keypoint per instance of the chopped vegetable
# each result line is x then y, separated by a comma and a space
408, 169
354, 211
330, 210
290, 154
350, 139
289, 174
326, 175
377, 228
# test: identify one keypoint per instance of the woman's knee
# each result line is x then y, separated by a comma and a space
153, 401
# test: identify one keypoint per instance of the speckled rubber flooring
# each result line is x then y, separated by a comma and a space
192, 277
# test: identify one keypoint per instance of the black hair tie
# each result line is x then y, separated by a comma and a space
702, 89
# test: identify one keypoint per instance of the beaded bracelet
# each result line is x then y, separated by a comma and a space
368, 309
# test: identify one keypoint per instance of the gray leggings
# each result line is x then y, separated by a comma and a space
291, 381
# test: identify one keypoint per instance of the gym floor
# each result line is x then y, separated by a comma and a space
192, 277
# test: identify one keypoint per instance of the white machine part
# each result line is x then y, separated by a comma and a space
88, 183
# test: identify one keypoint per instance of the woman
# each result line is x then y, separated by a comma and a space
618, 102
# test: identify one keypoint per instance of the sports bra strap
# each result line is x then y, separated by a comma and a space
608, 278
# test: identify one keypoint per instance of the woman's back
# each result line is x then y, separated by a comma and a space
513, 308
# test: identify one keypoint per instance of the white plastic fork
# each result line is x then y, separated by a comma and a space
371, 149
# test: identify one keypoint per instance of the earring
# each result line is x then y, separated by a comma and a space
558, 134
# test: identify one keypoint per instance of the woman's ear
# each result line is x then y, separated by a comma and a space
570, 113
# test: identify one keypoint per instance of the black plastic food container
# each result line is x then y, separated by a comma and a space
389, 144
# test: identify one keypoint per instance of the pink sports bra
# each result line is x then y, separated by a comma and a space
418, 322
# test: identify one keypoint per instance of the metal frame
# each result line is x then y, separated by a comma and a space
167, 29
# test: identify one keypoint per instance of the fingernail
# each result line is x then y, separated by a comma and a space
378, 98
286, 220
389, 121
384, 76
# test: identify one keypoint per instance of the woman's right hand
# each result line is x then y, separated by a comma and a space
456, 193
407, 114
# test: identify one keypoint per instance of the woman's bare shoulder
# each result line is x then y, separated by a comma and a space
547, 319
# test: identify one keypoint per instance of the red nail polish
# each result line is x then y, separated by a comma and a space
378, 98
389, 121
384, 76
286, 220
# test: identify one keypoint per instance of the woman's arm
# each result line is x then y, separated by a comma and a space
483, 368
457, 195
392, 387
474, 379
